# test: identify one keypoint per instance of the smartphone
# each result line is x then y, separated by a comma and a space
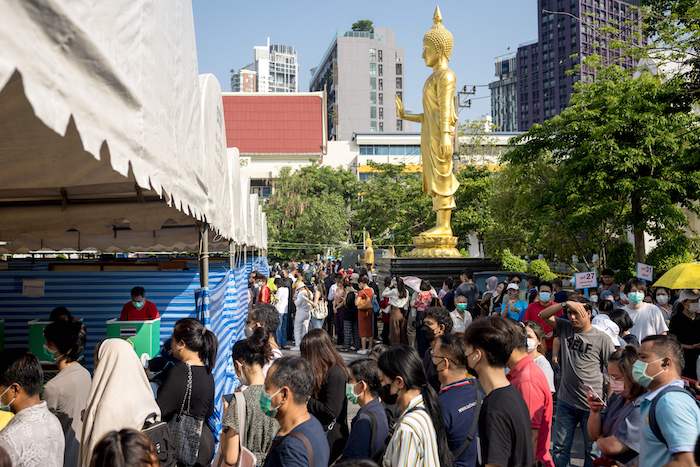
595, 394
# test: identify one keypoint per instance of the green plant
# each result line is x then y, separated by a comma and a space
511, 262
540, 268
673, 251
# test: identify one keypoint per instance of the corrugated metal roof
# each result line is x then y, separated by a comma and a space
275, 123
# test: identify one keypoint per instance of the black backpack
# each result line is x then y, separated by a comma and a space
653, 423
159, 434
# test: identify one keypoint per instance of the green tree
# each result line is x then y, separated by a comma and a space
673, 251
392, 206
511, 262
673, 27
310, 210
473, 213
363, 25
623, 153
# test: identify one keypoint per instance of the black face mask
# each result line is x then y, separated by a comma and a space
428, 333
386, 396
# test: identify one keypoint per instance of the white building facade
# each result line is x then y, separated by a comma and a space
275, 67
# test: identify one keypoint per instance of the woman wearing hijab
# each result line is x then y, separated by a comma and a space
120, 395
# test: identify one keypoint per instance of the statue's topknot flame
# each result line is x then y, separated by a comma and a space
439, 36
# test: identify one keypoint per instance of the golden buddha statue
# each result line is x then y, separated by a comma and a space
438, 122
369, 253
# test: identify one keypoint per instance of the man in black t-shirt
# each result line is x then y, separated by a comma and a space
504, 420
300, 441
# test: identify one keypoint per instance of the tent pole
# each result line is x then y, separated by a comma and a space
245, 255
231, 255
204, 255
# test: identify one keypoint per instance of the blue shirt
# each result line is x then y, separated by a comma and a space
678, 418
289, 451
360, 443
457, 403
517, 310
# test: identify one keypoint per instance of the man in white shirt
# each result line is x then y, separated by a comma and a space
282, 305
647, 318
34, 437
461, 318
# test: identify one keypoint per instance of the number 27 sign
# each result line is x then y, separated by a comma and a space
586, 280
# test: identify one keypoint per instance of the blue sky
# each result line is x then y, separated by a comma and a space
227, 30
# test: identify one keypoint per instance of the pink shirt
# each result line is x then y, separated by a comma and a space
532, 384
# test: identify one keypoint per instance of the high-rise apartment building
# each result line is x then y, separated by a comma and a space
274, 69
504, 95
245, 79
568, 31
362, 73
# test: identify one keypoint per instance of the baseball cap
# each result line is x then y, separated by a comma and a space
512, 286
688, 294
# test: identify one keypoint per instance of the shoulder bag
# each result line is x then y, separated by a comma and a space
159, 434
185, 429
246, 458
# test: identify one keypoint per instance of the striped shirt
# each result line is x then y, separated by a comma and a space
413, 443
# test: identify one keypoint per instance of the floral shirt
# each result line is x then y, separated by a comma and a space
34, 438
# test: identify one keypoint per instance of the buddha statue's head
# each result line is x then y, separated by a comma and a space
437, 42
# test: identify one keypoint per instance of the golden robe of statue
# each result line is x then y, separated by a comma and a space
438, 122
369, 253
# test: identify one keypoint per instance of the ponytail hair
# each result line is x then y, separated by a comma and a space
255, 350
404, 361
197, 338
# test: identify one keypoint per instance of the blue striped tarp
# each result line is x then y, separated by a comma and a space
96, 297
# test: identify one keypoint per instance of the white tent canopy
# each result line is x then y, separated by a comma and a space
108, 131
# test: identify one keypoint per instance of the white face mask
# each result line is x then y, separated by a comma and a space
594, 298
531, 345
662, 299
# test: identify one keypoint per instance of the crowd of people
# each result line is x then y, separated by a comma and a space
504, 376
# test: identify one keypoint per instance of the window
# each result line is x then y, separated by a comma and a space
373, 69
381, 84
399, 125
373, 125
381, 113
372, 55
373, 83
399, 94
381, 150
381, 126
381, 69
381, 99
399, 83
399, 69
372, 112
373, 97
379, 54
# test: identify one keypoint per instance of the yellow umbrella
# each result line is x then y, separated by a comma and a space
682, 276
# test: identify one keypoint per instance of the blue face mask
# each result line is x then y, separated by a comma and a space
639, 372
635, 298
350, 393
545, 297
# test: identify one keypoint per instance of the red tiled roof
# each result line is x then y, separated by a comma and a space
274, 124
